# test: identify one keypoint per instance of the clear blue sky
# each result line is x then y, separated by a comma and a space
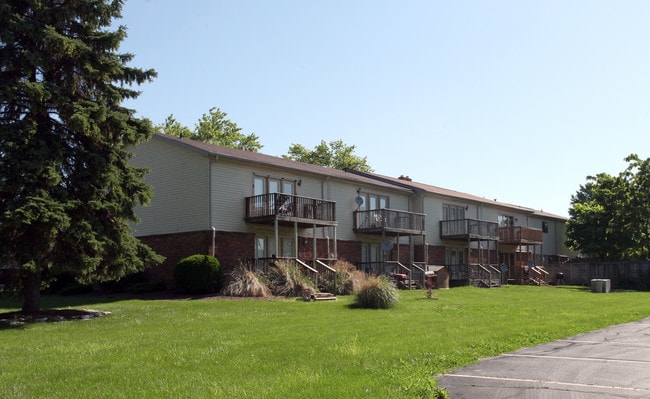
511, 100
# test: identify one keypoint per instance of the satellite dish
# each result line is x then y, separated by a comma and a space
387, 245
359, 200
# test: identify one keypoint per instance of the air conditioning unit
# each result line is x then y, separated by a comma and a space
601, 285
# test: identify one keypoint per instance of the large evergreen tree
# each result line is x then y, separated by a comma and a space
67, 191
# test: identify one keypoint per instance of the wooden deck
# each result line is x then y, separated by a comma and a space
390, 222
290, 209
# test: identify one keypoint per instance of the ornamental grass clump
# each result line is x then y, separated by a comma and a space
348, 278
197, 274
245, 283
376, 293
285, 279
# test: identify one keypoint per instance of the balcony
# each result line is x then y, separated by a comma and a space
468, 229
289, 209
520, 235
388, 222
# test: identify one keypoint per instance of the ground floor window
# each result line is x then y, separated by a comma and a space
265, 247
454, 256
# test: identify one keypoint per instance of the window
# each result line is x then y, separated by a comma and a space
506, 221
371, 202
454, 256
270, 185
286, 247
453, 213
265, 247
545, 227
370, 257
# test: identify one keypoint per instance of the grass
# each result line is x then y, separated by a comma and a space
290, 348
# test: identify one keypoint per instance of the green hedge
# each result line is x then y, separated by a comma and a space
197, 274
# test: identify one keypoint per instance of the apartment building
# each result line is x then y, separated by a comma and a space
248, 208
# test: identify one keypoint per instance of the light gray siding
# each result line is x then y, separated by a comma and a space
180, 182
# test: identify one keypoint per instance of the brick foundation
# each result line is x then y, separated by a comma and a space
230, 249
233, 249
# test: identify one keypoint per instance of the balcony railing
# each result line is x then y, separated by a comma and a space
290, 208
462, 229
520, 235
388, 221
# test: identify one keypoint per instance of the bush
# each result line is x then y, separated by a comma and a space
197, 274
377, 293
243, 282
285, 279
348, 279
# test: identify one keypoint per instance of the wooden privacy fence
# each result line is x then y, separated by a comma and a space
623, 275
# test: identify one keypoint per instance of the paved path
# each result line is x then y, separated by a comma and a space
610, 363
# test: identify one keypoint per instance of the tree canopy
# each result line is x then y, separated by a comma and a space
336, 154
609, 218
213, 128
67, 190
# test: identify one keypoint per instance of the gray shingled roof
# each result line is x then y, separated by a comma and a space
269, 160
349, 175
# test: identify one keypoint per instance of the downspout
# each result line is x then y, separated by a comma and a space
214, 232
211, 159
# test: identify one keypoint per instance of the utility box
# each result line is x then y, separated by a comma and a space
601, 285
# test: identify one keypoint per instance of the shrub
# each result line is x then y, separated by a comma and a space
243, 282
377, 293
285, 279
197, 274
348, 279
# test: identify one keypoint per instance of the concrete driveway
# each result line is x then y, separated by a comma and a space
610, 363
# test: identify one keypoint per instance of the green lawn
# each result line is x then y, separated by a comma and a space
289, 348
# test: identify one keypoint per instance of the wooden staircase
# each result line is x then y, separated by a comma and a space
311, 295
319, 296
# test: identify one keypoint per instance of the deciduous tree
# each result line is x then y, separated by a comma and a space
609, 216
336, 154
67, 190
213, 128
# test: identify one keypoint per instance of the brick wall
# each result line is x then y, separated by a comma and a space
436, 255
230, 248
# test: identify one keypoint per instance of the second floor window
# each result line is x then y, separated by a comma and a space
452, 213
270, 185
506, 221
373, 201
284, 189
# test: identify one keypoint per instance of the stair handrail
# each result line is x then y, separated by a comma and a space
325, 266
481, 277
306, 266
497, 272
399, 266
416, 266
542, 275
